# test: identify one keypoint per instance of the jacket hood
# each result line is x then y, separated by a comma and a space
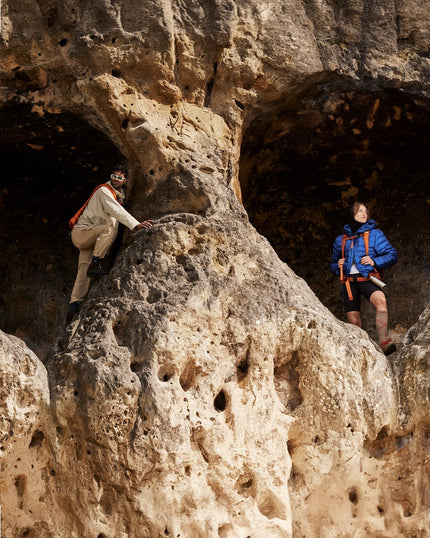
369, 225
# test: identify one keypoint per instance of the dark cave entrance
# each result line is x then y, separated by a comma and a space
49, 165
302, 167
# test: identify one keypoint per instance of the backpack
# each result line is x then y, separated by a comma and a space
346, 279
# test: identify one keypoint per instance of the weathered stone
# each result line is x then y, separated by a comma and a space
204, 390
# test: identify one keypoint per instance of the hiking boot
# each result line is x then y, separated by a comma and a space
96, 268
72, 312
388, 347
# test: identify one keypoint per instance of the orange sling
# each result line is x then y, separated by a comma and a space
347, 279
76, 216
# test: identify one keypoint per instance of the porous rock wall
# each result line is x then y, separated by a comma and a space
203, 390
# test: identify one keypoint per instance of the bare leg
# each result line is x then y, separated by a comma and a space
380, 303
354, 318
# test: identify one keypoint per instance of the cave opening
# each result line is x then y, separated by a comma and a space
303, 165
49, 165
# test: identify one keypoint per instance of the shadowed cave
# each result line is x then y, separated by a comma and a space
302, 166
49, 166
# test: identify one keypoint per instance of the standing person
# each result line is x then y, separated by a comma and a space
356, 263
94, 228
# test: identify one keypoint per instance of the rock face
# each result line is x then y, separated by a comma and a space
204, 390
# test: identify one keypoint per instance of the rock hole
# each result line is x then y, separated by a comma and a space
62, 42
182, 259
188, 375
37, 439
287, 381
220, 401
272, 507
380, 509
164, 374
154, 295
188, 470
239, 104
225, 530
135, 367
242, 369
382, 434
353, 495
20, 485
120, 330
116, 73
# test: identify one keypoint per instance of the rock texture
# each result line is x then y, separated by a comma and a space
203, 390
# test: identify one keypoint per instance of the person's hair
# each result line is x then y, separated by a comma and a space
121, 169
355, 206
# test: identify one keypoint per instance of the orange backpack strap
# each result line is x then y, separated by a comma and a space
366, 241
76, 216
376, 272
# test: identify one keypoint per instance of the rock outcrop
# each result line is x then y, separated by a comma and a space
203, 390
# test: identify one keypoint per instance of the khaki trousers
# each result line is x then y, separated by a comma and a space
91, 241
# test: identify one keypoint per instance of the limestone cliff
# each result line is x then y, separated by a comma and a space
204, 389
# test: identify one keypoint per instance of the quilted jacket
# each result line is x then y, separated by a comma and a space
380, 250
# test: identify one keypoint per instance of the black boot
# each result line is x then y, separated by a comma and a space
388, 347
73, 310
96, 268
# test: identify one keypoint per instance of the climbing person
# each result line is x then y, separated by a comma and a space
94, 228
359, 254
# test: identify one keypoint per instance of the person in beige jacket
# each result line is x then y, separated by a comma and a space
95, 231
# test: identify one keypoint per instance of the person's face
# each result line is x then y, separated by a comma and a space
117, 179
361, 214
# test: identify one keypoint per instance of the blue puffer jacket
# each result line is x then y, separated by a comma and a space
380, 250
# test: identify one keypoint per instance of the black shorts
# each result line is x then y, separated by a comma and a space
358, 289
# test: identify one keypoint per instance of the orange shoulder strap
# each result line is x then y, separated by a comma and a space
344, 240
76, 216
366, 241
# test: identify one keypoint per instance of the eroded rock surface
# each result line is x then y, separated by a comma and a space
203, 390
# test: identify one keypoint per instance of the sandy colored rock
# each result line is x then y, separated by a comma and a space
203, 390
